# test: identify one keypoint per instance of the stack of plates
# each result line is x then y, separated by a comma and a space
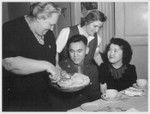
131, 91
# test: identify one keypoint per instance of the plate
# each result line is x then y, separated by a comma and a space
118, 97
95, 107
75, 83
71, 89
90, 107
113, 109
131, 91
137, 87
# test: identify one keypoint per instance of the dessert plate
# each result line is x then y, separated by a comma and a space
137, 87
118, 97
77, 82
90, 107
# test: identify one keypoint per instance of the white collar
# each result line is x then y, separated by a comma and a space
82, 32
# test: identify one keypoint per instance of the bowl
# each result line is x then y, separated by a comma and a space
77, 82
110, 94
141, 83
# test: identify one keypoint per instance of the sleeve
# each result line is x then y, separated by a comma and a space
129, 78
62, 39
103, 73
99, 43
97, 56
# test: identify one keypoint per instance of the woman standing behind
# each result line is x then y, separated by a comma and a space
29, 52
117, 72
89, 27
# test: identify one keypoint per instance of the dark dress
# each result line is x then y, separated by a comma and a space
26, 92
127, 78
89, 93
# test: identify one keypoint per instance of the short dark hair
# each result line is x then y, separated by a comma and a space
77, 38
93, 15
125, 46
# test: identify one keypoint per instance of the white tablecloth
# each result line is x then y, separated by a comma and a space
139, 103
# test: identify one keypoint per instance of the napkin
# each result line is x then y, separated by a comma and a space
133, 92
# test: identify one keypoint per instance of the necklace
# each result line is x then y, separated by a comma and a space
32, 27
39, 38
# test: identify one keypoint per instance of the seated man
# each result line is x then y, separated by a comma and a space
77, 50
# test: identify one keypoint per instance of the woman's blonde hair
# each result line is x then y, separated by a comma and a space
43, 9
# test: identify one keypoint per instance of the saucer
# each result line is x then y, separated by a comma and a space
90, 107
118, 97
137, 87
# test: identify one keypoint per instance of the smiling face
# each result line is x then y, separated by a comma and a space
93, 27
77, 52
115, 54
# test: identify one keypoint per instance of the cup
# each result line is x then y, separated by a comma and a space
110, 93
141, 83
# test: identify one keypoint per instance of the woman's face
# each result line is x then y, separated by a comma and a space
115, 54
93, 27
47, 24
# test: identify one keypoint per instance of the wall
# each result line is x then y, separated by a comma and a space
131, 23
12, 10
5, 16
65, 18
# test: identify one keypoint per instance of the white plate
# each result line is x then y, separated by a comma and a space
90, 107
118, 97
75, 83
134, 92
137, 87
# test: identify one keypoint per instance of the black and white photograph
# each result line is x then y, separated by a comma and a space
74, 56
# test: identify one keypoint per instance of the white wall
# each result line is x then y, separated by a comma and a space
131, 22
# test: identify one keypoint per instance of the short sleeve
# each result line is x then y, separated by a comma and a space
62, 39
99, 44
99, 40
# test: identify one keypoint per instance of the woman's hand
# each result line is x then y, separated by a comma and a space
55, 73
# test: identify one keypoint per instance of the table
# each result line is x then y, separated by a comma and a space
140, 103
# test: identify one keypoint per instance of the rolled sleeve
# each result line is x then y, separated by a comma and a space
62, 39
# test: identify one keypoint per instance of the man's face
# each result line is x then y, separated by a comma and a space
77, 52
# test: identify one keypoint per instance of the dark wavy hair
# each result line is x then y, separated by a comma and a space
93, 15
124, 45
77, 38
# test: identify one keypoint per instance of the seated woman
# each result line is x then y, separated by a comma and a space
117, 72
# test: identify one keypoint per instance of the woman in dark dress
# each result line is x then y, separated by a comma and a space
29, 52
116, 72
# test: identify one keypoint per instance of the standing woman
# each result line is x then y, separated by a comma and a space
29, 52
89, 27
